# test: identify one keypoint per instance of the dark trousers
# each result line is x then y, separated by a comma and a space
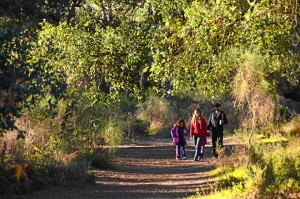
197, 142
217, 139
178, 147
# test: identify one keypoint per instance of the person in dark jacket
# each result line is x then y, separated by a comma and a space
216, 122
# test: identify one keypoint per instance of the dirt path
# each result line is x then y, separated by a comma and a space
144, 170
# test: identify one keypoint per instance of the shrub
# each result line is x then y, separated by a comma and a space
284, 163
155, 110
141, 127
292, 128
112, 132
101, 158
264, 169
251, 91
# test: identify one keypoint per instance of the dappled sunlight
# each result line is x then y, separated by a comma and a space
138, 171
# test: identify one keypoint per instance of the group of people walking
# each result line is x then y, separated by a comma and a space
200, 129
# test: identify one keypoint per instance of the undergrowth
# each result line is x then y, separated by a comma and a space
268, 167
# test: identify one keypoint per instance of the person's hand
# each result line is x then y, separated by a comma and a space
174, 125
207, 133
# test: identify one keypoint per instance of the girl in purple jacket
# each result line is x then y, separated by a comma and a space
178, 134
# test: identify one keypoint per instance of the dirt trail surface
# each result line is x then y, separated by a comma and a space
144, 170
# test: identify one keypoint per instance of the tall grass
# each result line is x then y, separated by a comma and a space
251, 91
155, 110
264, 170
266, 162
112, 133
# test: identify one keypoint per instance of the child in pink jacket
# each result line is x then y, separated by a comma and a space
178, 133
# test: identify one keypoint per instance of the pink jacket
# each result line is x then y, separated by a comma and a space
175, 133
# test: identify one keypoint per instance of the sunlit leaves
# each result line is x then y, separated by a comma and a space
208, 30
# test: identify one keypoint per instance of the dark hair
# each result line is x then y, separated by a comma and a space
217, 105
180, 121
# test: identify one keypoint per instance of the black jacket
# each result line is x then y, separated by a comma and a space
217, 121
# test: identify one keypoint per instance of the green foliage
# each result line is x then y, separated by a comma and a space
48, 155
284, 163
102, 49
101, 158
23, 82
155, 110
77, 70
193, 49
292, 128
268, 168
141, 127
233, 177
251, 91
112, 133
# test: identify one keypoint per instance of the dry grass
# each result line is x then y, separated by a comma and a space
67, 158
291, 128
250, 92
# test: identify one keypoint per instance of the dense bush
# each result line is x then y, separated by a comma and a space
155, 110
101, 158
141, 127
266, 168
268, 163
60, 145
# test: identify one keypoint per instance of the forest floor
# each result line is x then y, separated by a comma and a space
146, 169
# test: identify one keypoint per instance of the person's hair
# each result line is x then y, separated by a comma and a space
180, 121
217, 105
194, 114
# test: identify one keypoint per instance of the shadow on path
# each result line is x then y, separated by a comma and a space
147, 170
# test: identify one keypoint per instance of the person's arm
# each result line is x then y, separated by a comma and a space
173, 130
209, 122
191, 129
185, 132
224, 118
204, 124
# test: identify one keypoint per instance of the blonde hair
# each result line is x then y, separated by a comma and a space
197, 110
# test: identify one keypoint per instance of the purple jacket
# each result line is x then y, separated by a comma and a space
178, 135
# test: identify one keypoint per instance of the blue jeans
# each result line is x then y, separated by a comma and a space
178, 147
197, 142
